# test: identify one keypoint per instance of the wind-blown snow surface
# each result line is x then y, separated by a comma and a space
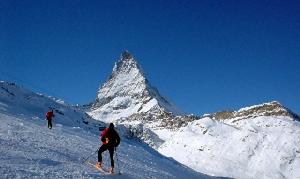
30, 150
261, 147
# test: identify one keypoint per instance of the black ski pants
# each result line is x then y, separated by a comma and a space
103, 148
49, 123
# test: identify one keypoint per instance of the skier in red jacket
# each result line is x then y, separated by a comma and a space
49, 116
110, 139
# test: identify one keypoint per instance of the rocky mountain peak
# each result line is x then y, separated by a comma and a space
127, 65
127, 92
126, 55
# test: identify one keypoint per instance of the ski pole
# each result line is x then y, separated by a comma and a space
90, 156
118, 161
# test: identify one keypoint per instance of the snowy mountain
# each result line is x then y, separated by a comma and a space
273, 108
260, 141
30, 150
128, 92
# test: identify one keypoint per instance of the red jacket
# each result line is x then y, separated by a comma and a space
103, 136
49, 115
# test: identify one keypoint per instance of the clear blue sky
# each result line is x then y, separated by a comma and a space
205, 56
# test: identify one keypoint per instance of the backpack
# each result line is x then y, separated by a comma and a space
104, 136
110, 137
49, 114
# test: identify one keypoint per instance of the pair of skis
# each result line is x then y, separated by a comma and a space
101, 170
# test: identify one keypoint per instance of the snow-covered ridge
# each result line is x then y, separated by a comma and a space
273, 108
19, 101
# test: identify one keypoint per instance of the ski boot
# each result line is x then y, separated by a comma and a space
111, 170
98, 165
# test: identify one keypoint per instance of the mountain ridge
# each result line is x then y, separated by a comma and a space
128, 94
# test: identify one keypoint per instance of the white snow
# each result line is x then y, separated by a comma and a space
118, 108
262, 147
30, 150
149, 105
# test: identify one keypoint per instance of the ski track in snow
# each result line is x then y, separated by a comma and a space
30, 150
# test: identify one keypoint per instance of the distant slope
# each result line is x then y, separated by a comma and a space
261, 147
18, 101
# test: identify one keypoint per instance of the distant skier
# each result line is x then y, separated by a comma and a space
110, 139
49, 116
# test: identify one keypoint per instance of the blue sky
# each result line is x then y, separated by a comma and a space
205, 56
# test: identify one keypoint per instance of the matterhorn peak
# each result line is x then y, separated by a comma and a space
128, 92
127, 65
126, 55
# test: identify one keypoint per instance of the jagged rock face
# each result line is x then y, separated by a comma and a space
127, 92
161, 120
127, 79
267, 109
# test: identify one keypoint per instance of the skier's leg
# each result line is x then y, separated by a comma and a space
111, 154
102, 149
50, 123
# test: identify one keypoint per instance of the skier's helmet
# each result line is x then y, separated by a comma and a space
111, 125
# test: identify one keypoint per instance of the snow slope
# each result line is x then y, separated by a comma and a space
18, 101
262, 147
30, 150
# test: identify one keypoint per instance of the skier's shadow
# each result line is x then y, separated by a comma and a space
49, 162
